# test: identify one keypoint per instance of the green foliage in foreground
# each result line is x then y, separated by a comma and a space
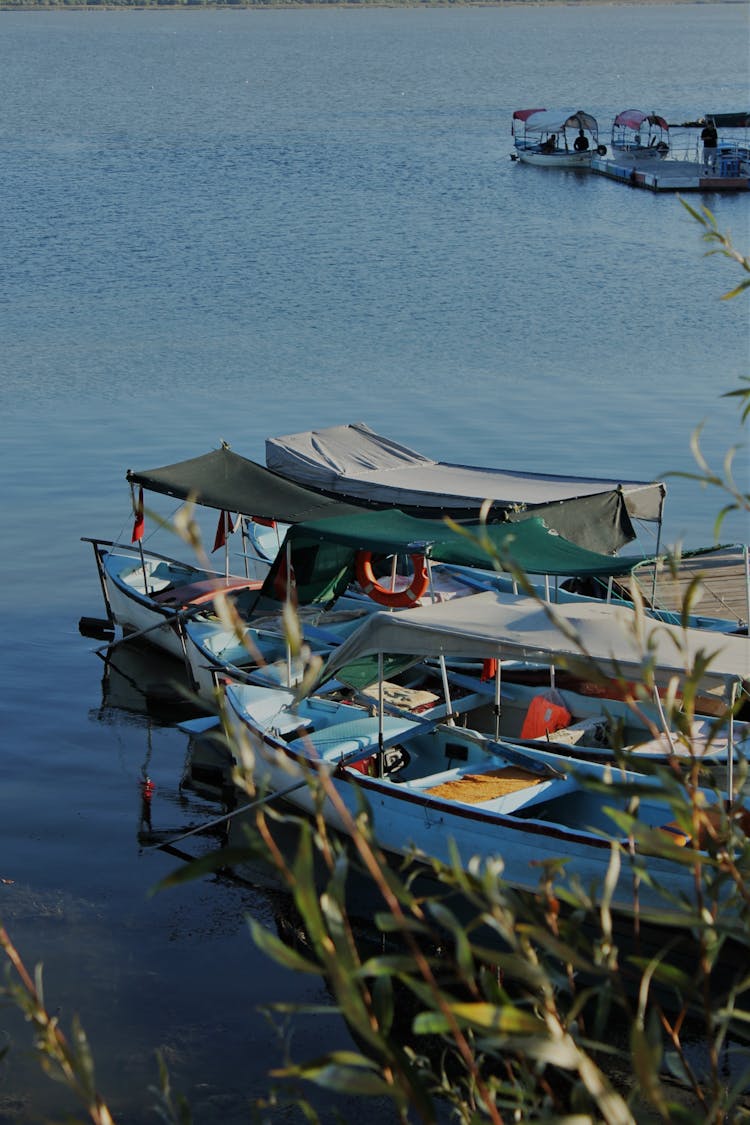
467, 999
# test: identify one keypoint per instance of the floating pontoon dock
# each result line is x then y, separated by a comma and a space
676, 175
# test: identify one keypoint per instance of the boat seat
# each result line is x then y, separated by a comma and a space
354, 737
204, 591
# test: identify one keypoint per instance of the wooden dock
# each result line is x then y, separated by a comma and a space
674, 175
723, 584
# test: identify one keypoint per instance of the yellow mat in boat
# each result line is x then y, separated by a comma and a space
474, 788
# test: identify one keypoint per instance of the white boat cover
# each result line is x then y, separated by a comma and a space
634, 118
354, 462
507, 627
557, 120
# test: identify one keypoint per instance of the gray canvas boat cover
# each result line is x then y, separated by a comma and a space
507, 627
225, 480
354, 463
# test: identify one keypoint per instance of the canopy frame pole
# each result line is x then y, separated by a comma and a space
381, 712
663, 718
450, 721
243, 534
433, 595
730, 763
658, 548
394, 564
288, 600
140, 542
498, 679
227, 532
102, 581
610, 587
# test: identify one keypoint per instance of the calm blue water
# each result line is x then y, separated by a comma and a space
229, 225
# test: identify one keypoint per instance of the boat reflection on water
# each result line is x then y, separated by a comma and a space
145, 690
146, 685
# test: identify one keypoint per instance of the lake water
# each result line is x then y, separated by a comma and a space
226, 225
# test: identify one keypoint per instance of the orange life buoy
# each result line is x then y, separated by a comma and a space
396, 599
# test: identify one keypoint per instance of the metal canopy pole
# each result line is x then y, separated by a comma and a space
433, 596
498, 677
730, 763
381, 709
138, 512
287, 599
658, 548
447, 692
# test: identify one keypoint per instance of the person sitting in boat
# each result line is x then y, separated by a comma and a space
550, 144
581, 143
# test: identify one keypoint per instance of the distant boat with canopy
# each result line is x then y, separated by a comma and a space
639, 138
555, 138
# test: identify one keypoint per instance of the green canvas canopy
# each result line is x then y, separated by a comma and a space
323, 553
223, 479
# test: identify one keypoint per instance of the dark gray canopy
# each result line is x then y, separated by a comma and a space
222, 479
354, 463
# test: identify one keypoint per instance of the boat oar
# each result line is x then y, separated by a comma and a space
513, 754
277, 795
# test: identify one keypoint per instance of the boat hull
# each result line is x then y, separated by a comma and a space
150, 595
555, 159
638, 154
410, 811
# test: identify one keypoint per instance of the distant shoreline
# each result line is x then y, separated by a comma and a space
349, 5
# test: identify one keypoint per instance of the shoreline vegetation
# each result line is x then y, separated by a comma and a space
161, 5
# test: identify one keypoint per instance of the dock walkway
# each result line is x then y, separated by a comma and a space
674, 175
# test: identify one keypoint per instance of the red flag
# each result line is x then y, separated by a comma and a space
264, 522
221, 531
140, 521
489, 670
282, 587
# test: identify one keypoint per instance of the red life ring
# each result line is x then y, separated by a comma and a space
395, 599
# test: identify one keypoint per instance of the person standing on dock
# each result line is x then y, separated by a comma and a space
710, 139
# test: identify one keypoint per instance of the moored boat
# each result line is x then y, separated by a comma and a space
499, 628
444, 792
555, 138
354, 463
148, 593
639, 138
